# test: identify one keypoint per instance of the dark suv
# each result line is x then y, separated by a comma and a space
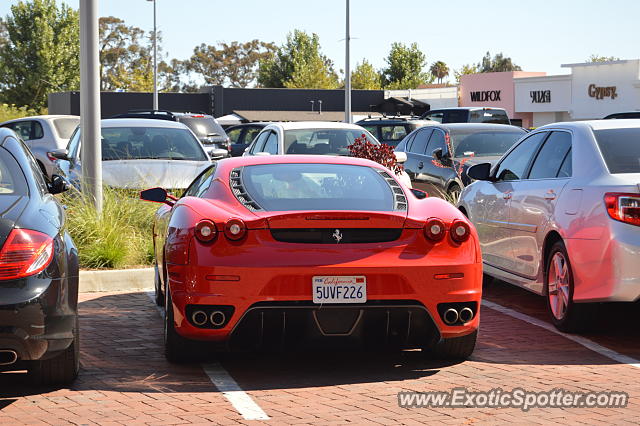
205, 127
468, 115
391, 130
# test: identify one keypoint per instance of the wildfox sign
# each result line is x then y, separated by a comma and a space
486, 95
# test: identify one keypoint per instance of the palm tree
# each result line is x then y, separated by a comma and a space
440, 70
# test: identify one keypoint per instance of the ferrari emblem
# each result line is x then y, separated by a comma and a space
337, 235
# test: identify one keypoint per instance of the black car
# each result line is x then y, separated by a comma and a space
38, 271
438, 155
391, 130
621, 115
468, 115
204, 126
242, 135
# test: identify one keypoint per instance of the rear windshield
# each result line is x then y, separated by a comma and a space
469, 143
203, 126
12, 181
283, 187
135, 143
488, 116
620, 149
323, 141
65, 126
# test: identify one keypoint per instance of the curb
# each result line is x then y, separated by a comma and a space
117, 280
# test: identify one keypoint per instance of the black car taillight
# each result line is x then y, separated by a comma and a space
435, 230
623, 207
235, 229
25, 253
460, 231
206, 231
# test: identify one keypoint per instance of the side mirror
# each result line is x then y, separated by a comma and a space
443, 158
60, 154
157, 195
217, 153
401, 157
480, 172
420, 195
58, 184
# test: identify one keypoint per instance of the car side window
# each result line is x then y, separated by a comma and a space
436, 116
201, 183
420, 141
250, 134
271, 145
234, 134
37, 132
515, 164
259, 143
436, 141
38, 175
393, 133
566, 169
550, 157
23, 129
73, 148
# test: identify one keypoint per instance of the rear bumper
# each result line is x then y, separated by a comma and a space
275, 304
36, 321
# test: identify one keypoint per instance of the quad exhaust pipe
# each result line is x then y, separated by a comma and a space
465, 315
8, 357
217, 318
200, 318
450, 316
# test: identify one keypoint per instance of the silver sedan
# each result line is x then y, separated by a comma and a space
559, 215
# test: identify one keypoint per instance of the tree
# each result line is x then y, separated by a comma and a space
122, 55
439, 70
405, 68
4, 38
466, 69
498, 63
235, 63
298, 64
598, 58
41, 53
365, 77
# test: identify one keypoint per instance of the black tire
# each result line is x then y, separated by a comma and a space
62, 369
177, 349
575, 316
456, 348
454, 192
159, 297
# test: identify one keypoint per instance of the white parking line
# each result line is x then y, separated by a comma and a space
589, 344
222, 380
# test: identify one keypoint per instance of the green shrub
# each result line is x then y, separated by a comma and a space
9, 112
119, 238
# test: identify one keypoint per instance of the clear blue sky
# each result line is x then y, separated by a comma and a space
538, 35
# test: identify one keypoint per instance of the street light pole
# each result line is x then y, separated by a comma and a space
155, 58
90, 103
347, 74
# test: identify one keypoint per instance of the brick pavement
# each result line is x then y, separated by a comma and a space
125, 379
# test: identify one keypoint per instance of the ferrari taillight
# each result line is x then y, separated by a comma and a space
25, 253
623, 207
235, 229
435, 230
460, 231
206, 231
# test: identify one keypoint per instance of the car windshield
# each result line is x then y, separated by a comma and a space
65, 126
482, 143
11, 180
203, 126
488, 116
282, 187
135, 143
620, 149
323, 141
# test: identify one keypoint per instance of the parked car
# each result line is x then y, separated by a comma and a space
44, 133
430, 162
468, 115
288, 248
138, 153
242, 135
38, 271
314, 137
391, 130
204, 126
560, 215
620, 115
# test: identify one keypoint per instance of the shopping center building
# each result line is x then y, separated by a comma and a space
591, 91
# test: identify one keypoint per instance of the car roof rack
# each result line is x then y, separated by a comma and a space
156, 114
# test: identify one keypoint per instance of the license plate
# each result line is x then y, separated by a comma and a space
339, 289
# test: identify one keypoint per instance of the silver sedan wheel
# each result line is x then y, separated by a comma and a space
559, 285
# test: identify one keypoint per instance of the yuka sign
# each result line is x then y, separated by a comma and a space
485, 96
602, 92
540, 96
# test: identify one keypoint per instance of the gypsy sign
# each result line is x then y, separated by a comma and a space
602, 92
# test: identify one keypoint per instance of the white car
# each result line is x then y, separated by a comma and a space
44, 133
313, 137
140, 153
559, 215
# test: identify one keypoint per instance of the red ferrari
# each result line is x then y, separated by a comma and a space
275, 250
